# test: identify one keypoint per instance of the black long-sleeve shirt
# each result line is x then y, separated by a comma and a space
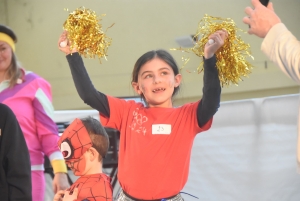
208, 106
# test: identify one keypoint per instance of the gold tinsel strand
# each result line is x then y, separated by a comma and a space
231, 62
85, 33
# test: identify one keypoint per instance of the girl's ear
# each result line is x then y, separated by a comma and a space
178, 78
136, 88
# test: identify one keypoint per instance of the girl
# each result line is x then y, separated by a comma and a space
156, 139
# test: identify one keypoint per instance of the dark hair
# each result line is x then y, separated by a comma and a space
97, 134
148, 56
14, 70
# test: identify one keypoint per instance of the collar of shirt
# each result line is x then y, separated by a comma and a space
5, 84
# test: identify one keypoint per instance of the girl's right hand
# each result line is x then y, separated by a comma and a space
218, 37
64, 44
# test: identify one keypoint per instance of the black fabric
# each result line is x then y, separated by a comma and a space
211, 97
85, 87
15, 170
208, 106
135, 199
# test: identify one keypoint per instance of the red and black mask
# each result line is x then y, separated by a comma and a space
73, 143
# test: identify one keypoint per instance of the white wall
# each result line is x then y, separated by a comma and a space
249, 153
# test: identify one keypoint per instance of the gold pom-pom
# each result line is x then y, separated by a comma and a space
231, 57
86, 34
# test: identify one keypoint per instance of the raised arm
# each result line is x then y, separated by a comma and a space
283, 48
279, 44
210, 101
83, 84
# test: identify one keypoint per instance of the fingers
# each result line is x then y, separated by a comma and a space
256, 3
223, 33
246, 20
64, 44
63, 40
63, 37
248, 11
219, 36
250, 31
75, 192
71, 195
58, 196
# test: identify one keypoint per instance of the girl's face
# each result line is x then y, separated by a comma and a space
5, 56
156, 81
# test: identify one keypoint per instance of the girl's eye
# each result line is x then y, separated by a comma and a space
164, 73
148, 76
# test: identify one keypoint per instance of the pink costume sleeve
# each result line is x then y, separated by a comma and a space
45, 126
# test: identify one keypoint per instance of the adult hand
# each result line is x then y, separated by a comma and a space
260, 18
60, 182
216, 40
59, 196
64, 44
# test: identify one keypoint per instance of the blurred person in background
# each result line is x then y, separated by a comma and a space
29, 97
15, 179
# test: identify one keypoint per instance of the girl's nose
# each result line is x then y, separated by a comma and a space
156, 79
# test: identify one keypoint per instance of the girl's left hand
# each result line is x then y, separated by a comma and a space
218, 37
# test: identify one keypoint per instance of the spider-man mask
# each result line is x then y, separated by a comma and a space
73, 143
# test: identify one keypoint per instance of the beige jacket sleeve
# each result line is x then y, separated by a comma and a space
283, 48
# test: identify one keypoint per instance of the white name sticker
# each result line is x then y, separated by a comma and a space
164, 129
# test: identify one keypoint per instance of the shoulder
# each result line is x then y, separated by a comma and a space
30, 74
192, 105
35, 78
121, 102
103, 185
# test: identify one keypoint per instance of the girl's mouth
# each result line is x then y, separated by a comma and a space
158, 90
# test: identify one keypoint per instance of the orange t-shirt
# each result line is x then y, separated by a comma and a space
155, 146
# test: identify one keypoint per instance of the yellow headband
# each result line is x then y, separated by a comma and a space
6, 38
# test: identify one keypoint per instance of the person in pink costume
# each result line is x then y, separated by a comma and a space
29, 97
